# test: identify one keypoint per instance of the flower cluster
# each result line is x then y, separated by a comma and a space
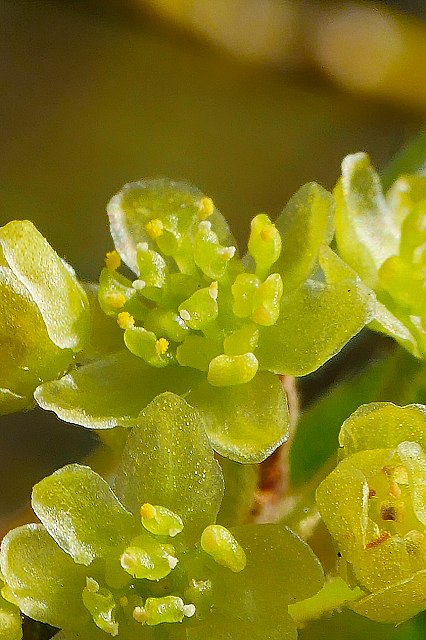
148, 560
383, 239
373, 503
199, 321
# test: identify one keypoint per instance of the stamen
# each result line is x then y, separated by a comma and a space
227, 252
161, 346
124, 601
112, 260
205, 208
125, 320
148, 511
116, 300
140, 615
154, 228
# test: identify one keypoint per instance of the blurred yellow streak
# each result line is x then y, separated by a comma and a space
361, 46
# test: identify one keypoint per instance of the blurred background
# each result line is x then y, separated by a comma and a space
247, 99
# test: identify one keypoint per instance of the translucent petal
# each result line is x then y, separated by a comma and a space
305, 224
342, 500
315, 322
169, 435
366, 231
247, 422
281, 569
50, 283
81, 513
383, 424
45, 581
175, 203
102, 394
10, 621
28, 354
397, 602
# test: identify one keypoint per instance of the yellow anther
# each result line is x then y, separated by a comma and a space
140, 615
261, 316
154, 228
124, 601
125, 320
161, 346
148, 511
267, 233
112, 260
205, 208
116, 300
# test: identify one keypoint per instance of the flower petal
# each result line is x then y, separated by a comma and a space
81, 513
168, 460
247, 422
45, 581
104, 393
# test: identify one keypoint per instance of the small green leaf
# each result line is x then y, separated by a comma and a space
168, 460
10, 621
247, 422
33, 566
81, 513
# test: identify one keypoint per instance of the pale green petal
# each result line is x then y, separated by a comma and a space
45, 581
139, 202
281, 569
108, 391
220, 627
168, 461
247, 422
81, 513
396, 603
315, 322
366, 231
342, 500
383, 424
305, 224
50, 283
28, 355
10, 621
